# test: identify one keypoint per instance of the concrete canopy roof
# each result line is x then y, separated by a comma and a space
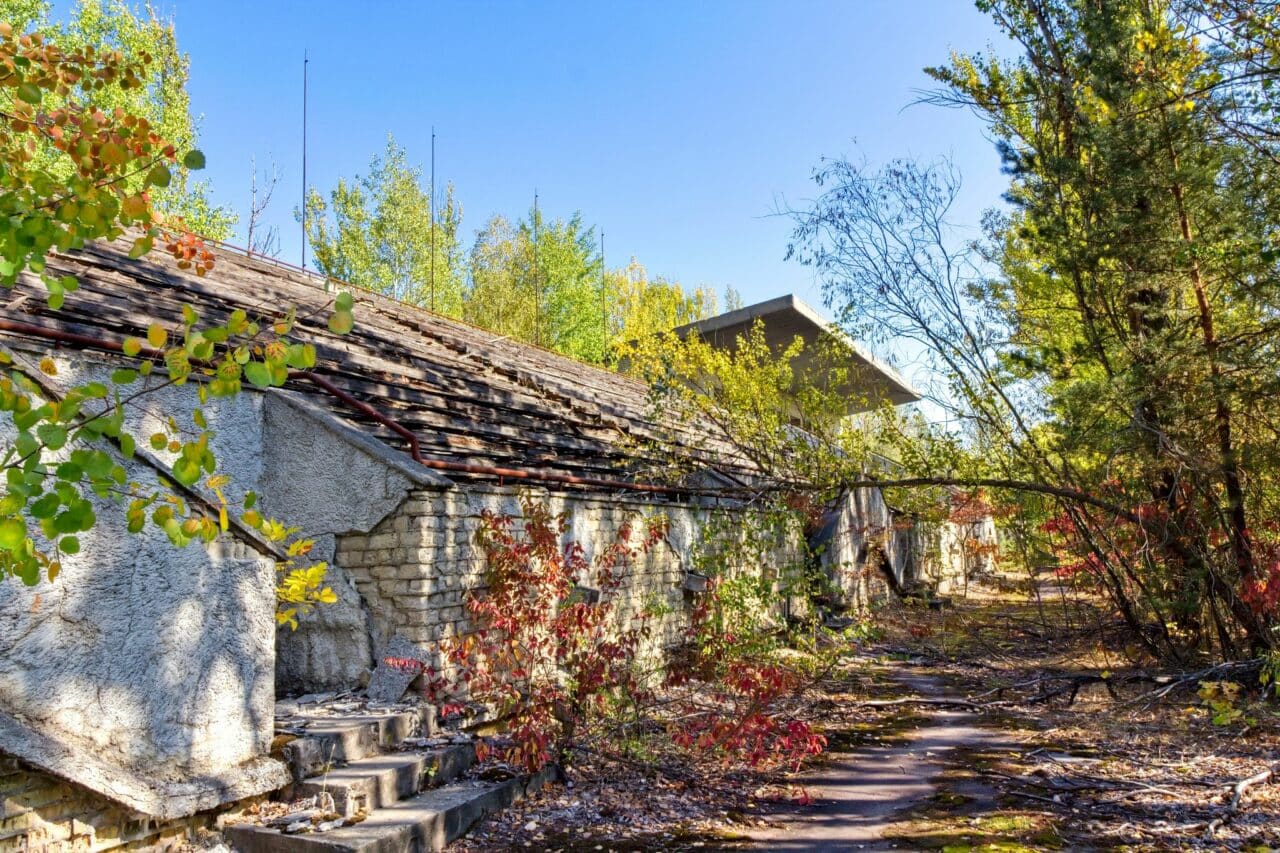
788, 317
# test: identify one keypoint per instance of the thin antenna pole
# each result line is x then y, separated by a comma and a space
537, 278
433, 217
305, 60
604, 302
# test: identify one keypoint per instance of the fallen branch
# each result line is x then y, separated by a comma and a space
1194, 678
1071, 685
1238, 789
1036, 797
918, 700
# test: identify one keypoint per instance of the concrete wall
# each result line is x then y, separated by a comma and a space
860, 541
145, 672
329, 481
953, 553
864, 542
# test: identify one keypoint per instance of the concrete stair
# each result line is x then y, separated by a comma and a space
325, 740
426, 822
377, 781
408, 792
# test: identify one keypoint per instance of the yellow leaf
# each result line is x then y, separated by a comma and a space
133, 206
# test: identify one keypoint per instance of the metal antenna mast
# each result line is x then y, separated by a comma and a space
604, 302
433, 217
305, 60
537, 278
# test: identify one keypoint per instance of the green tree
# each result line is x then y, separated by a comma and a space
539, 281
732, 299
161, 98
641, 306
1108, 344
376, 233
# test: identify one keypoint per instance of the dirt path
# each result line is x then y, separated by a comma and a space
863, 794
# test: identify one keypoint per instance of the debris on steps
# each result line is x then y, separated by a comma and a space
373, 777
380, 780
426, 822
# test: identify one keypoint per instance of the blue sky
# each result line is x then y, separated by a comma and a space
674, 127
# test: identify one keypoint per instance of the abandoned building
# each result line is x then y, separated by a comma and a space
139, 690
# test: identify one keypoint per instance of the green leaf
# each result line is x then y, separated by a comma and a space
56, 292
46, 507
124, 375
186, 471
29, 92
12, 534
53, 435
341, 322
194, 159
97, 463
69, 545
258, 373
127, 445
26, 444
159, 176
143, 244
343, 302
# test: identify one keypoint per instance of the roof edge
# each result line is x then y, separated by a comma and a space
900, 385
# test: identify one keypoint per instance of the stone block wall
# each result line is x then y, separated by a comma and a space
42, 812
958, 551
414, 569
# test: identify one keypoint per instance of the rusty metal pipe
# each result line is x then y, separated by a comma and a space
374, 414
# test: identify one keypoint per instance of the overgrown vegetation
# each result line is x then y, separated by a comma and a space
561, 656
1104, 352
78, 163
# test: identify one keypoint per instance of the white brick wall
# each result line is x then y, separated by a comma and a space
414, 568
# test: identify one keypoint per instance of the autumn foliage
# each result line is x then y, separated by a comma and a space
555, 656
75, 170
550, 654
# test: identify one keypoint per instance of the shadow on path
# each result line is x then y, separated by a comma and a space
859, 794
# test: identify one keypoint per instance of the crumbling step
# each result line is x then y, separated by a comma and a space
423, 823
380, 780
324, 741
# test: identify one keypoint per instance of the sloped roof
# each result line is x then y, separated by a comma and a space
788, 317
468, 395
